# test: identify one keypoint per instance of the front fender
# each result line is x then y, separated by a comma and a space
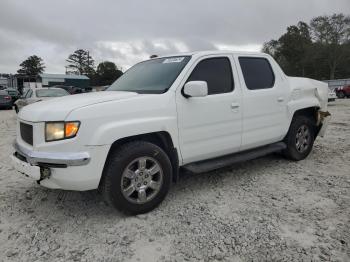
110, 132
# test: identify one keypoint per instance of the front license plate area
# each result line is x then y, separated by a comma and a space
26, 168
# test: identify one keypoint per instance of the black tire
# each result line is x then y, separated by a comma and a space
340, 94
295, 150
113, 180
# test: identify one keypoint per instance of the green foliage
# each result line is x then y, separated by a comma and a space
81, 63
333, 29
320, 50
106, 73
32, 66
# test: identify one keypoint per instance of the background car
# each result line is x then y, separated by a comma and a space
69, 89
13, 93
331, 95
73, 89
39, 94
5, 100
343, 92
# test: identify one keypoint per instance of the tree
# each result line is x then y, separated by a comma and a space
332, 33
107, 72
81, 63
271, 47
32, 66
291, 49
319, 50
294, 47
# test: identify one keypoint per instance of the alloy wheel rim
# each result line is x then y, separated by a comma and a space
142, 180
302, 139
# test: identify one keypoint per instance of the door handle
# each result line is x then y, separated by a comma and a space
280, 99
234, 105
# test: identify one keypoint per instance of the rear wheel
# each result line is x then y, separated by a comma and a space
340, 94
137, 177
300, 138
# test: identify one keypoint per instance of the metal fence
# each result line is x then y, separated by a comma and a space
332, 84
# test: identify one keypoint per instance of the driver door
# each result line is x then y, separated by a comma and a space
211, 126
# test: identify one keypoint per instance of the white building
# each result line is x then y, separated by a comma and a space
3, 81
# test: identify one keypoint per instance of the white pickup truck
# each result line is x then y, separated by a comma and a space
198, 111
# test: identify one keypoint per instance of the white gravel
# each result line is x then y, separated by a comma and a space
268, 209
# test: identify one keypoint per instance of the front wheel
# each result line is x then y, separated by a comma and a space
137, 177
300, 138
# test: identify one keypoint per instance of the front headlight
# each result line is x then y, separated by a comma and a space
61, 130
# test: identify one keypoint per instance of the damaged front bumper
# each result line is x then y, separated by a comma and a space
51, 158
36, 165
77, 170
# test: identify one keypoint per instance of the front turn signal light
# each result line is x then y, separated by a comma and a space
71, 129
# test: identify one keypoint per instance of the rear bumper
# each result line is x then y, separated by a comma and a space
323, 119
6, 104
324, 127
53, 158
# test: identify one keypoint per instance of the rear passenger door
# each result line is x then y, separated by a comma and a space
264, 101
210, 126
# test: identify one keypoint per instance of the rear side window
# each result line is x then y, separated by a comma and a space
217, 72
257, 73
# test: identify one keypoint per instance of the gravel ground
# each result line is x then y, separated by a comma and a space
268, 209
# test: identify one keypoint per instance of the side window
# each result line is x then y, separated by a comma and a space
217, 72
257, 73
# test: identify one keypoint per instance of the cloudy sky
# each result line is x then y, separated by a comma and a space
127, 32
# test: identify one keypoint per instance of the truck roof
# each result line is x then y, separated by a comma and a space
214, 52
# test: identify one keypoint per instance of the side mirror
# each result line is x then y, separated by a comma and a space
196, 89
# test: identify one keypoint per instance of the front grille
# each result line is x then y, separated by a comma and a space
27, 133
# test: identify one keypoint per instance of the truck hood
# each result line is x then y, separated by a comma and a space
57, 109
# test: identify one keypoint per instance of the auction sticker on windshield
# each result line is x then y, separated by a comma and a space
173, 60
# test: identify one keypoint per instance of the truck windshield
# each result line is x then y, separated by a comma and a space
152, 76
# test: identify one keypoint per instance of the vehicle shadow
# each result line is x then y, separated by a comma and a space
44, 203
332, 104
